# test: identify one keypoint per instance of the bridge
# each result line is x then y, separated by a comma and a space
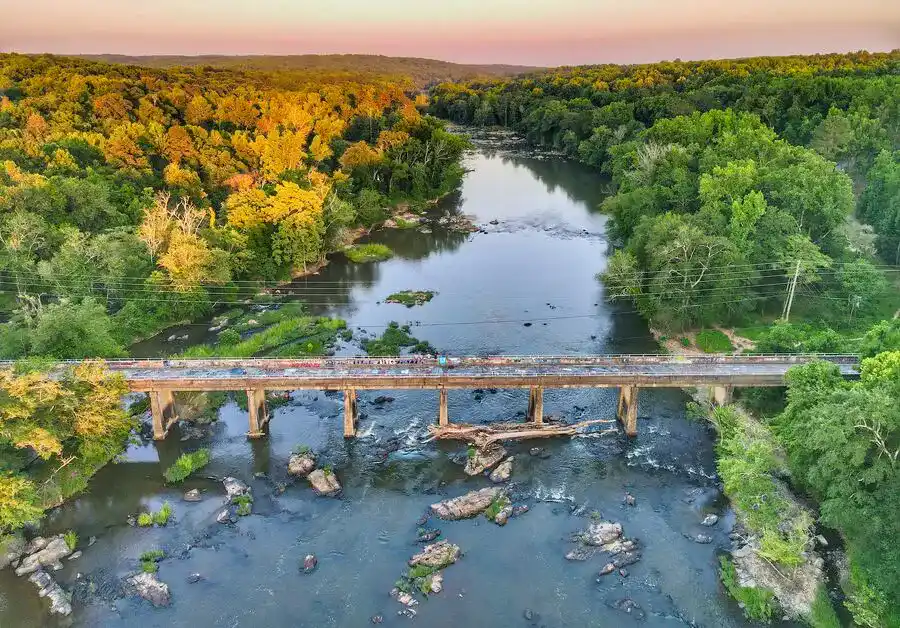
160, 379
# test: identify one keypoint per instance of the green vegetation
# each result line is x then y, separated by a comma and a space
748, 464
501, 502
759, 604
394, 339
685, 341
244, 504
713, 341
301, 450
411, 298
56, 431
71, 539
145, 520
161, 517
186, 464
362, 253
150, 560
822, 614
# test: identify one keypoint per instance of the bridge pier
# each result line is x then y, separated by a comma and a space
162, 410
627, 412
257, 412
536, 404
350, 413
443, 409
721, 395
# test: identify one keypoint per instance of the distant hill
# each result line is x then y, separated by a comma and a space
424, 72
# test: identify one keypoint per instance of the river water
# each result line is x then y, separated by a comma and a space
536, 265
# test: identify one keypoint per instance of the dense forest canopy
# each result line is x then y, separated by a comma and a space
146, 193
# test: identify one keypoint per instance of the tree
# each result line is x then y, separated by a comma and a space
862, 284
74, 331
191, 263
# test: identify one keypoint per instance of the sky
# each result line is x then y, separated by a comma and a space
526, 32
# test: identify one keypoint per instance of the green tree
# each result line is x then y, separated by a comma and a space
74, 331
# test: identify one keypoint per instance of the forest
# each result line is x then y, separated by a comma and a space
133, 198
733, 183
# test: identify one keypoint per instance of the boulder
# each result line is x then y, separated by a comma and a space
467, 505
151, 589
50, 589
426, 535
503, 471
36, 545
437, 555
484, 458
56, 550
309, 563
503, 515
193, 495
710, 520
12, 548
608, 568
382, 399
235, 488
436, 582
601, 533
629, 499
324, 483
227, 515
302, 464
702, 539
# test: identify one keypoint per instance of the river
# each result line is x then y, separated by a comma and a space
535, 266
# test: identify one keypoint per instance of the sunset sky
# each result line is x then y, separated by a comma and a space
531, 32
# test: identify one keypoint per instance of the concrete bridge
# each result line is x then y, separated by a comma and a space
629, 373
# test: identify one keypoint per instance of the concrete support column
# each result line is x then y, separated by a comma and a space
536, 404
350, 413
257, 412
627, 413
443, 410
721, 395
162, 410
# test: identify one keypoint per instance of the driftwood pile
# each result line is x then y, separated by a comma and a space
483, 436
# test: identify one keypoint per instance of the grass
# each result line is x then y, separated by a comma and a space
161, 517
71, 539
714, 341
411, 298
145, 520
327, 470
822, 614
244, 504
402, 223
394, 339
758, 604
289, 337
186, 465
301, 450
362, 253
150, 559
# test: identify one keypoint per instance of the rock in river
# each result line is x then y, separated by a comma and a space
50, 589
193, 495
235, 488
703, 539
710, 520
503, 471
484, 458
49, 556
302, 464
601, 533
11, 549
436, 556
151, 589
324, 483
467, 505
309, 563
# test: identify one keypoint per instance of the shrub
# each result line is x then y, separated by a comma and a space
18, 501
162, 516
71, 539
685, 341
714, 341
229, 337
759, 604
145, 520
186, 465
362, 253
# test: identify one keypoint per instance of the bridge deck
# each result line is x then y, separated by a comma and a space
470, 372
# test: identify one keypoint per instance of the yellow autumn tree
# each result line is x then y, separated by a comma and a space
191, 263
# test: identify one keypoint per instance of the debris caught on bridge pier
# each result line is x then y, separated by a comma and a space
483, 436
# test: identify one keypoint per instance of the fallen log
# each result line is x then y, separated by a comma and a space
483, 435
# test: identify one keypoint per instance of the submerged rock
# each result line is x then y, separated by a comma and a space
710, 520
49, 556
629, 606
302, 464
50, 589
703, 539
467, 505
324, 483
227, 515
503, 471
193, 495
382, 399
484, 458
151, 589
194, 578
608, 568
425, 535
629, 499
309, 563
235, 488
437, 555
